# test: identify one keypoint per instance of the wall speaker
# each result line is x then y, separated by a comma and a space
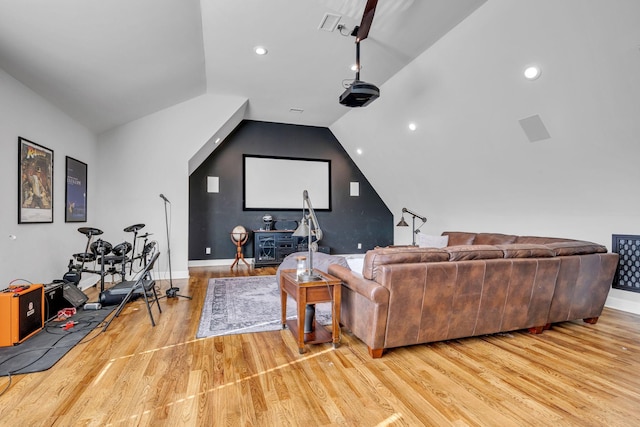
534, 128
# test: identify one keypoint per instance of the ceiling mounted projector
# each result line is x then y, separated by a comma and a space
359, 94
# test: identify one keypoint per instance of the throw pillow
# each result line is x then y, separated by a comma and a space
356, 264
427, 241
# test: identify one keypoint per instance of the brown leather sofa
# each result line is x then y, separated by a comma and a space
481, 283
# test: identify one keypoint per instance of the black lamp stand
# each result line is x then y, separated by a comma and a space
414, 231
172, 292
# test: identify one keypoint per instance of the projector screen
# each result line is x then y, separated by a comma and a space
277, 183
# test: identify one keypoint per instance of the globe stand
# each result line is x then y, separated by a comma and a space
239, 238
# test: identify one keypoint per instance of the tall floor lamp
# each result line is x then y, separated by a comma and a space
172, 292
309, 227
415, 230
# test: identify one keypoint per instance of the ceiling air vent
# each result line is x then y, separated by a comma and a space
329, 22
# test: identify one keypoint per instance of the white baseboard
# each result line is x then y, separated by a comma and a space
91, 279
623, 300
217, 262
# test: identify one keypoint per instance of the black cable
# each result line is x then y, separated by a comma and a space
86, 324
46, 308
30, 350
332, 303
326, 281
82, 341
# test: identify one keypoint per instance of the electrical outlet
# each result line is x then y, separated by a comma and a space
359, 245
207, 251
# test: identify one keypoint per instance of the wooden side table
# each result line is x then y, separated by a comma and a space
327, 289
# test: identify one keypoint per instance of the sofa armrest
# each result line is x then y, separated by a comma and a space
365, 287
364, 308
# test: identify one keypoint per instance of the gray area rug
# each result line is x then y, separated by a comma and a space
240, 305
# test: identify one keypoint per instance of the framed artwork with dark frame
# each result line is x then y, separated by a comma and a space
75, 195
35, 183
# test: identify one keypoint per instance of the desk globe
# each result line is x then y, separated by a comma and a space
239, 237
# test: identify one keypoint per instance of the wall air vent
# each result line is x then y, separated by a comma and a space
329, 22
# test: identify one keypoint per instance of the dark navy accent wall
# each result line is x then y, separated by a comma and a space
364, 219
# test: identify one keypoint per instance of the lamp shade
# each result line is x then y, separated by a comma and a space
402, 223
302, 230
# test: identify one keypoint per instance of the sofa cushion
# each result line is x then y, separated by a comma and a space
376, 258
540, 240
526, 250
576, 247
458, 238
493, 239
427, 241
469, 252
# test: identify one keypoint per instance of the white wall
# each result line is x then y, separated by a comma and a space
148, 157
40, 252
469, 165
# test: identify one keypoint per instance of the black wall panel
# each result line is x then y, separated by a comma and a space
364, 219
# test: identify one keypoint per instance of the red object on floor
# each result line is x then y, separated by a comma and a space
70, 324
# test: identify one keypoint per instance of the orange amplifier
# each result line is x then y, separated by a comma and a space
21, 313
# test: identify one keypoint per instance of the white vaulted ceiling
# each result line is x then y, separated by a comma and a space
106, 63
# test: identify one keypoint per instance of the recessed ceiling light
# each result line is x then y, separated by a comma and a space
412, 126
218, 140
359, 151
260, 50
532, 72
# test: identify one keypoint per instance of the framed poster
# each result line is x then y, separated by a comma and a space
75, 194
35, 182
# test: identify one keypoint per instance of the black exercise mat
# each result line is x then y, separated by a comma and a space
43, 350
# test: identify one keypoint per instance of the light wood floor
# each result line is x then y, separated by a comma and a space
572, 375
